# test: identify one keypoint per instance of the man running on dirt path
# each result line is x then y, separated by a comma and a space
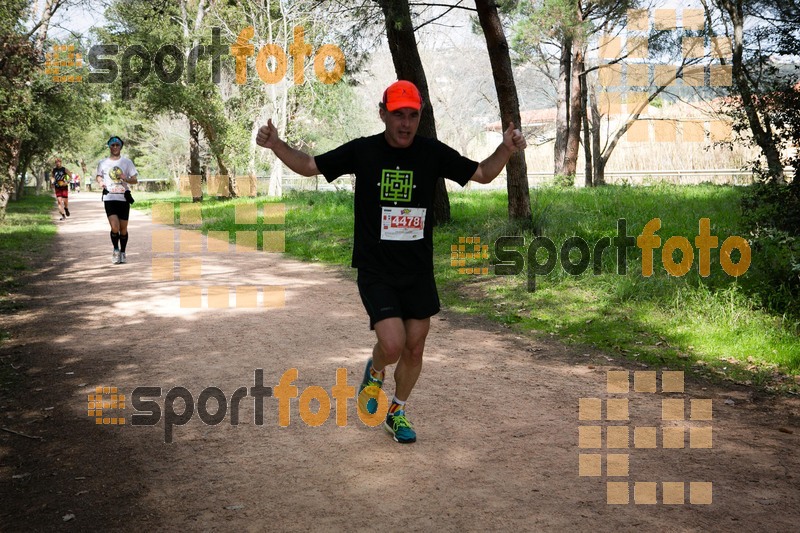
114, 175
396, 172
61, 179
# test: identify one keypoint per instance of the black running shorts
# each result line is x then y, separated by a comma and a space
405, 296
121, 209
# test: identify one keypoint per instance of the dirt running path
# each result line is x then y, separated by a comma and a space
497, 416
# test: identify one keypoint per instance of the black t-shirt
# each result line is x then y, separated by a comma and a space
393, 197
60, 178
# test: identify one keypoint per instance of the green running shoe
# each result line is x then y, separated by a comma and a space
398, 425
368, 402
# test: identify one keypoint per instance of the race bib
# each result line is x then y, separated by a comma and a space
402, 223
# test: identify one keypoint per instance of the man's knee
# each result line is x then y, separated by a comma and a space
391, 339
413, 354
392, 350
416, 334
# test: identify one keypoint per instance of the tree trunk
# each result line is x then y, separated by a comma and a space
223, 171
194, 147
562, 109
587, 138
761, 131
5, 196
22, 170
41, 179
7, 185
408, 66
598, 162
218, 153
194, 153
574, 126
84, 172
276, 179
20, 192
194, 125
280, 107
611, 144
276, 172
50, 7
519, 201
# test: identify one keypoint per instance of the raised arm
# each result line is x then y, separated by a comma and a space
489, 168
293, 158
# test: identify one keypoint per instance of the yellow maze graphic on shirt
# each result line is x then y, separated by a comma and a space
671, 428
188, 261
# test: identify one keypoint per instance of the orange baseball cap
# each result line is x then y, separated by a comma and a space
402, 94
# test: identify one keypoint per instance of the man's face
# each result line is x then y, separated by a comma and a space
401, 126
58, 162
115, 148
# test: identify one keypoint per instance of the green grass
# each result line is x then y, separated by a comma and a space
704, 324
26, 236
318, 226
689, 321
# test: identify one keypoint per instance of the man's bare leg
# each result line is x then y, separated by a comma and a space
401, 342
410, 365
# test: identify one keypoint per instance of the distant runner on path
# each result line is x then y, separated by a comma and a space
60, 180
114, 175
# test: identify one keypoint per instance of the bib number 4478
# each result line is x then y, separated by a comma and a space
406, 222
402, 223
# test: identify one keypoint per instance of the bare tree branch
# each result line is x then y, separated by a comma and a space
449, 9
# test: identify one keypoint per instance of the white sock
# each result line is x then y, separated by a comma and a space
375, 374
401, 403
